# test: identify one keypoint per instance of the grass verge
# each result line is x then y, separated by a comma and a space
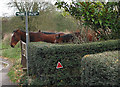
9, 52
16, 72
13, 55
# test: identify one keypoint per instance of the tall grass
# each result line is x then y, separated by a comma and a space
7, 50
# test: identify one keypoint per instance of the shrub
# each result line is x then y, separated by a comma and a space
43, 59
100, 69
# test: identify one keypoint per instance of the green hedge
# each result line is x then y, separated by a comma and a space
43, 60
101, 69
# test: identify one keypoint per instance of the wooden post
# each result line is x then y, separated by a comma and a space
23, 54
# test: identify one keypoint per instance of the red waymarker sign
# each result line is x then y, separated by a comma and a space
59, 65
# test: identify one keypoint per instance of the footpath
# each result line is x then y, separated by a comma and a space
4, 79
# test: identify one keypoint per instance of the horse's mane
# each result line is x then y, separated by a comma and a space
20, 30
14, 31
23, 31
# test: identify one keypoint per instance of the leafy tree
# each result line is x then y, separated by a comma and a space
102, 17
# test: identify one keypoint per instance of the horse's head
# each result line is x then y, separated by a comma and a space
64, 38
15, 38
39, 30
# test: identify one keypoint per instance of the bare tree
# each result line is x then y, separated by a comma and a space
31, 6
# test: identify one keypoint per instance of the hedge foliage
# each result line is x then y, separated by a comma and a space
101, 69
43, 59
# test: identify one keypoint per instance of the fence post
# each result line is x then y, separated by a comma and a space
23, 54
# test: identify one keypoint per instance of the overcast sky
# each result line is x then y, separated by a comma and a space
4, 8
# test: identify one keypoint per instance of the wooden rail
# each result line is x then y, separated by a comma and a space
23, 54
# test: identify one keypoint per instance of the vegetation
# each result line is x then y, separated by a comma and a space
79, 68
102, 17
16, 72
13, 54
8, 51
49, 18
47, 55
100, 69
49, 21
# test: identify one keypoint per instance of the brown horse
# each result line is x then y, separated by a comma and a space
33, 36
91, 36
49, 37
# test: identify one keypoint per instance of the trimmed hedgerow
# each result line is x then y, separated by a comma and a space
43, 59
100, 69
